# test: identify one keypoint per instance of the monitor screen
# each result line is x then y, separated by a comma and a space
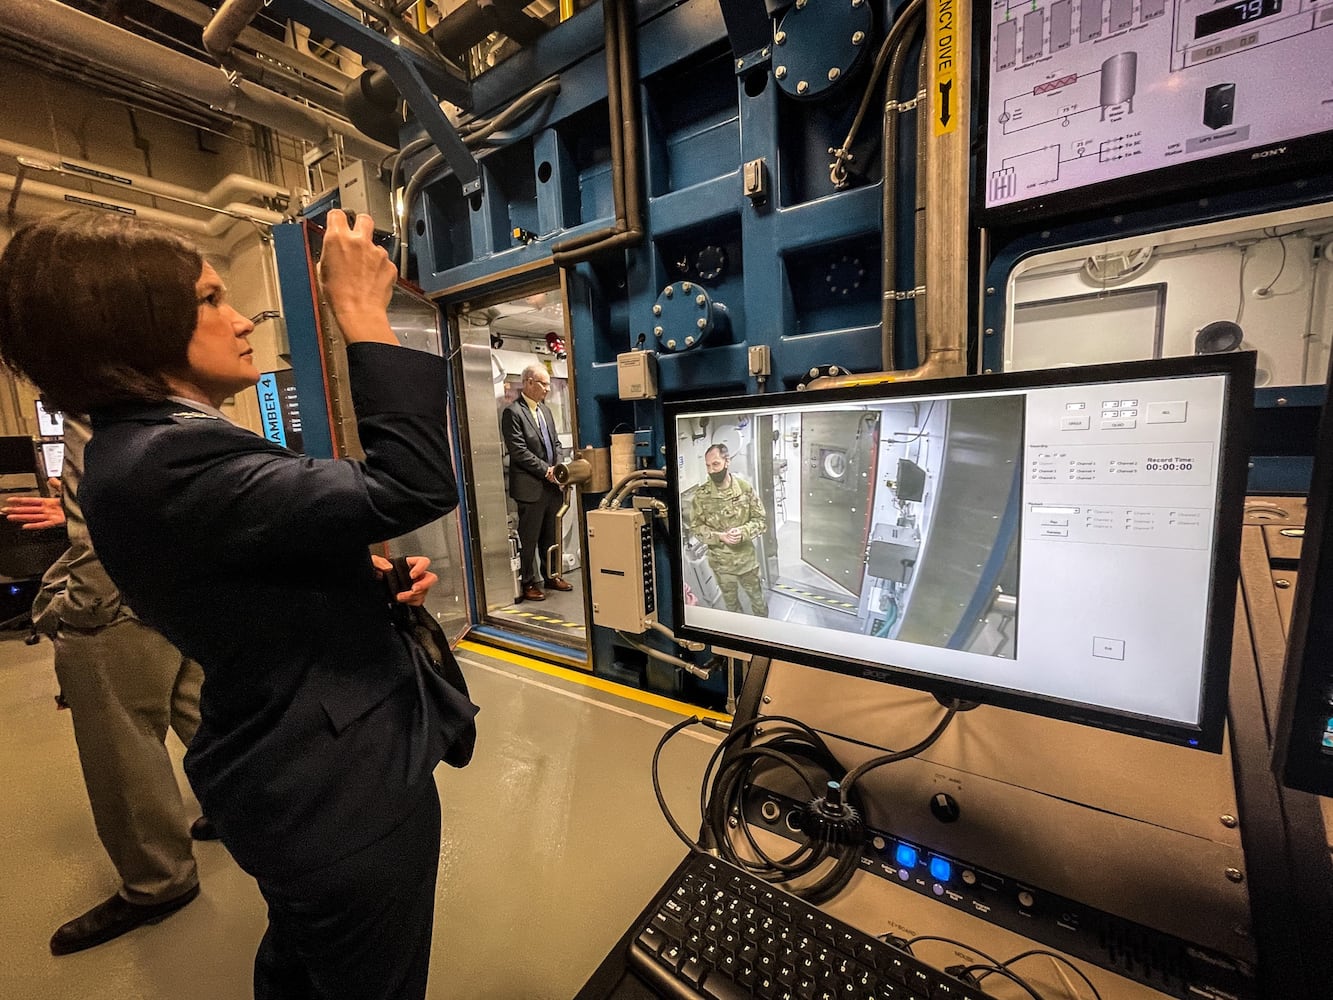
49, 424
1070, 548
1087, 96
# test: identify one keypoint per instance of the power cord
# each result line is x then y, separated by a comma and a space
975, 973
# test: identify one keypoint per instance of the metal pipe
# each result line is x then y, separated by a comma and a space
215, 228
50, 24
657, 654
257, 41
614, 94
233, 17
229, 189
899, 39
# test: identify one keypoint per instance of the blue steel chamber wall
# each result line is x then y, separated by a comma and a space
798, 272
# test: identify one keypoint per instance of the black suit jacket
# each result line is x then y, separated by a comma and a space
527, 462
319, 723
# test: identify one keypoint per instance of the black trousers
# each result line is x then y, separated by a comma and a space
359, 929
536, 534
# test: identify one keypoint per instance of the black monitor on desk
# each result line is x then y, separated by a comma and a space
1303, 743
1073, 554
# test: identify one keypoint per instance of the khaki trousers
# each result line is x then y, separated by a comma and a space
125, 685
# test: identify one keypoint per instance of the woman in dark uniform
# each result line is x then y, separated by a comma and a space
321, 724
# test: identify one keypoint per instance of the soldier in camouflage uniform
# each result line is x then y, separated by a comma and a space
727, 517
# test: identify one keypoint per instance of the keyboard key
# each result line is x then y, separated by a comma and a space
692, 970
651, 940
719, 987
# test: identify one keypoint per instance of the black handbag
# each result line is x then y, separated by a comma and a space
424, 632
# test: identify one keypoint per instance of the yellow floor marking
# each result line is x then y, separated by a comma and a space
588, 680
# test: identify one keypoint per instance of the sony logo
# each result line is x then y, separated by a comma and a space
1275, 151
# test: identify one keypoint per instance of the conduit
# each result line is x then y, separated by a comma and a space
622, 91
228, 190
49, 24
214, 229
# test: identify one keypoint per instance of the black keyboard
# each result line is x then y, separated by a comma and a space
720, 933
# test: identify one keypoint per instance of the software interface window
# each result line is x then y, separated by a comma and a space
1101, 505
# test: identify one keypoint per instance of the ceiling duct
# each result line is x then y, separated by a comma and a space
51, 25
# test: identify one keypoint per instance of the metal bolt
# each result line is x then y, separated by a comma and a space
1235, 875
780, 72
857, 3
1282, 401
740, 63
686, 287
657, 310
689, 341
1229, 821
989, 371
990, 331
800, 4
834, 73
671, 344
701, 300
1282, 584
701, 323
668, 291
766, 52
733, 822
658, 331
990, 291
802, 87
780, 38
858, 37
768, 699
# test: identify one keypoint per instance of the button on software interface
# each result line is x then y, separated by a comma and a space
1054, 541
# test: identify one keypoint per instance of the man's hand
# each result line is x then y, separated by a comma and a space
732, 536
422, 579
34, 513
357, 278
550, 473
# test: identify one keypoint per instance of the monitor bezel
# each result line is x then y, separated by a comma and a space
1238, 399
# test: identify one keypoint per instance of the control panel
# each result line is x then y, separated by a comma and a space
1162, 962
623, 579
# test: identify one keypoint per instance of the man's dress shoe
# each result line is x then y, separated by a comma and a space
111, 919
532, 592
558, 583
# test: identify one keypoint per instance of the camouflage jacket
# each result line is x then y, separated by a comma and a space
716, 510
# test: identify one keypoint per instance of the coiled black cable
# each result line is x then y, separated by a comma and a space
830, 823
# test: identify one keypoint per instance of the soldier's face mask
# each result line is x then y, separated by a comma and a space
718, 477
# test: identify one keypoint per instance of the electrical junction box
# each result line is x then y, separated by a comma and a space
620, 565
643, 443
360, 191
637, 374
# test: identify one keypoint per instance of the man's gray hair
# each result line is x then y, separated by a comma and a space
533, 369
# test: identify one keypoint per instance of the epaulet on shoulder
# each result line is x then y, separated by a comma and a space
184, 416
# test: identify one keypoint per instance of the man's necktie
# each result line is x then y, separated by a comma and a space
546, 436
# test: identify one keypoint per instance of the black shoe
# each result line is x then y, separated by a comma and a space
203, 829
111, 919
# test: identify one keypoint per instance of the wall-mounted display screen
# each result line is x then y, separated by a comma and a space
1091, 94
1061, 542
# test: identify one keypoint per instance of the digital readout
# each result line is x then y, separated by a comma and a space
1222, 18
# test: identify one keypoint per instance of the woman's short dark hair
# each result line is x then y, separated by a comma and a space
94, 309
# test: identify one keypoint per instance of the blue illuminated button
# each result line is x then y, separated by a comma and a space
907, 856
940, 870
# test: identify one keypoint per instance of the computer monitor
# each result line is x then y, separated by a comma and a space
1303, 743
1073, 552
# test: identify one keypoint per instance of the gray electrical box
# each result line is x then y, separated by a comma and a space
362, 192
893, 550
620, 568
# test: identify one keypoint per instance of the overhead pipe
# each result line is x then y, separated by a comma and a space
620, 32
215, 228
221, 32
229, 189
255, 40
50, 24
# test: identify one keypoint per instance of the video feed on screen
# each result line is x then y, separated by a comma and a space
826, 518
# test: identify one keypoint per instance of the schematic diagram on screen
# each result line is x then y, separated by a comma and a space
1084, 91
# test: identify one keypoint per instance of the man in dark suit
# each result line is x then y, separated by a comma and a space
529, 433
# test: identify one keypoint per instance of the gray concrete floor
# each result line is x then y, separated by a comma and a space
552, 842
